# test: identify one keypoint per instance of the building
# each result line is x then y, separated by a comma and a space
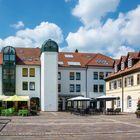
51, 77
125, 82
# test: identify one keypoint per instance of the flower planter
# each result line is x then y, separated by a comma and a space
137, 113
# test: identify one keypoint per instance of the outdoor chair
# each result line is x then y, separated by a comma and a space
23, 112
117, 110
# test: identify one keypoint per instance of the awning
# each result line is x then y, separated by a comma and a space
108, 97
79, 98
17, 98
2, 97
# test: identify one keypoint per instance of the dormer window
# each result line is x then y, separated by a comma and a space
116, 68
129, 62
122, 65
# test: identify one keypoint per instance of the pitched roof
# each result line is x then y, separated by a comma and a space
28, 56
79, 58
31, 56
135, 67
124, 72
101, 60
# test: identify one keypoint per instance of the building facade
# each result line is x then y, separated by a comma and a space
125, 82
51, 76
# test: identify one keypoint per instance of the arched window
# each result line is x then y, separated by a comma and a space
129, 101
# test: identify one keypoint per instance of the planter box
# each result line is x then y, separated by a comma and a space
137, 113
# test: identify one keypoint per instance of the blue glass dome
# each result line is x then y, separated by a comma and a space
49, 46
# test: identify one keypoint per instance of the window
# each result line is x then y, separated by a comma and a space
25, 72
78, 76
101, 75
95, 88
116, 68
129, 102
32, 85
6, 57
32, 72
59, 75
25, 86
59, 87
71, 75
95, 75
138, 79
130, 81
129, 62
107, 74
122, 65
71, 87
78, 88
101, 88
118, 103
12, 57
119, 83
113, 85
110, 85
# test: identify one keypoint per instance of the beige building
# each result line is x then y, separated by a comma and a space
125, 83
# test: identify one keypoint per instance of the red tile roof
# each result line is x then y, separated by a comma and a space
135, 67
31, 56
28, 56
101, 60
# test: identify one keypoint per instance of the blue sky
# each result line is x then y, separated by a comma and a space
88, 25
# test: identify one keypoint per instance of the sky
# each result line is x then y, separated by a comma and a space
111, 27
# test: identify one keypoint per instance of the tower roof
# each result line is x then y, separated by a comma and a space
49, 46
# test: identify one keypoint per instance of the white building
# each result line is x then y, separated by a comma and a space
52, 77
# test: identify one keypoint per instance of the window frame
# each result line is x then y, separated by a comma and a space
71, 87
71, 75
32, 89
59, 75
78, 88
101, 75
95, 85
30, 74
95, 75
23, 72
101, 88
78, 77
24, 82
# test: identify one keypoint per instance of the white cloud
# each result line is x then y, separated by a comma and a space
34, 37
90, 12
18, 25
114, 37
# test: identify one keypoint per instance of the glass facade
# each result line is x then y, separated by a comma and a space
9, 71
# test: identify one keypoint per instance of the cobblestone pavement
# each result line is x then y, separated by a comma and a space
66, 126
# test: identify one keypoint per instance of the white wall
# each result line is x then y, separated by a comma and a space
49, 81
91, 81
20, 79
65, 81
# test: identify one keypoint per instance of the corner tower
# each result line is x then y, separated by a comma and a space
49, 72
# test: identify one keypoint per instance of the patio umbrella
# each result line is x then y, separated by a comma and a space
17, 98
107, 97
79, 98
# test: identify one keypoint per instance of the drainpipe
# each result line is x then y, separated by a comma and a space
122, 94
86, 81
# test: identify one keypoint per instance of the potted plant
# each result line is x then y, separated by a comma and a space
138, 109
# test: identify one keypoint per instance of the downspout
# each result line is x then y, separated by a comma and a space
86, 81
122, 94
